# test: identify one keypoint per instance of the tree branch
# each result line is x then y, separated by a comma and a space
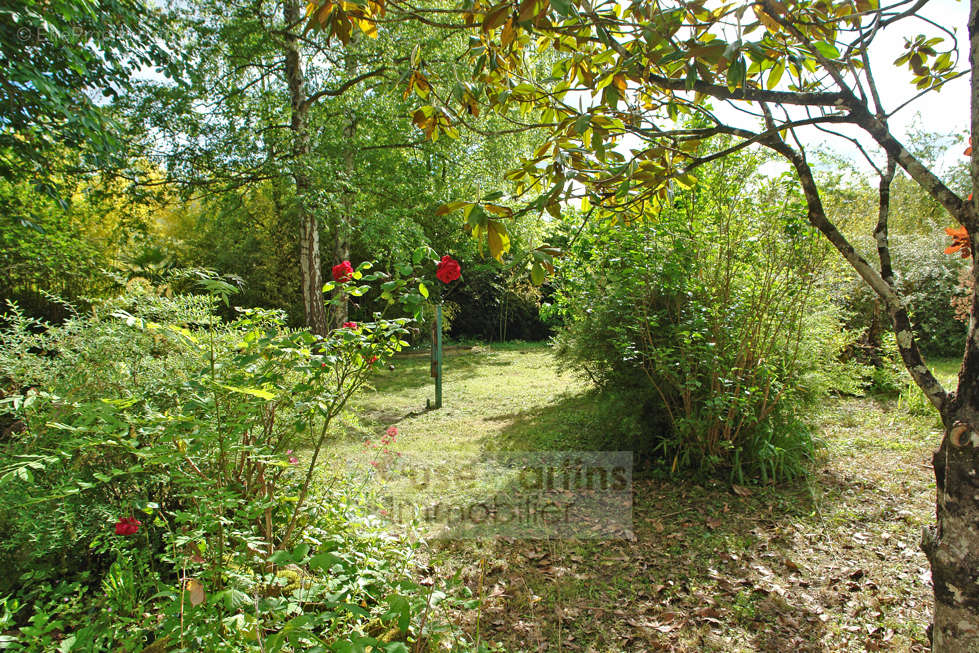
343, 88
750, 94
883, 212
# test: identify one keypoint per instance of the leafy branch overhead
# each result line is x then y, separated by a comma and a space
340, 19
627, 95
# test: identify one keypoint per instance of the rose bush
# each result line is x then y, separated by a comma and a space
193, 431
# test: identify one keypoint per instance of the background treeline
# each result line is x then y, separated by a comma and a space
208, 178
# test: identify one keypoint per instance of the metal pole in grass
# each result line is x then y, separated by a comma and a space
447, 270
438, 355
436, 370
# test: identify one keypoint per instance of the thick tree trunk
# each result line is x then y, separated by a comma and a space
952, 546
309, 236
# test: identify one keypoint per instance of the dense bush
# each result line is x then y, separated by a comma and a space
929, 279
926, 276
709, 314
150, 496
494, 305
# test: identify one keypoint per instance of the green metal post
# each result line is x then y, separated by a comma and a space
438, 355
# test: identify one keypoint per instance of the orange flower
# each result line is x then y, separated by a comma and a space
960, 241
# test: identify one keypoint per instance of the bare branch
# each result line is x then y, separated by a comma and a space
883, 211
343, 88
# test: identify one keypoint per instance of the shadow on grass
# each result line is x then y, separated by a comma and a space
702, 560
413, 373
575, 421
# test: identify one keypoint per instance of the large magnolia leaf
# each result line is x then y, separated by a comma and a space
499, 239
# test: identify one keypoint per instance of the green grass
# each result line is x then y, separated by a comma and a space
499, 396
830, 563
946, 369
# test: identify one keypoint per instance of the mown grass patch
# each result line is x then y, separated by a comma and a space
828, 564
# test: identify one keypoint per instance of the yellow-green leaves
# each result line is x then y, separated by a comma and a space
434, 121
776, 74
498, 239
255, 392
479, 221
340, 18
685, 180
496, 16
417, 83
930, 67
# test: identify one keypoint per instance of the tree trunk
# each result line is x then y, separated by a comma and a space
309, 235
952, 546
343, 225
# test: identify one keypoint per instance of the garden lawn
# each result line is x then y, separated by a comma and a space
831, 564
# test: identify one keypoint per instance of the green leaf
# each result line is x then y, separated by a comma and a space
324, 560
281, 558
776, 74
538, 274
354, 609
401, 608
736, 74
826, 49
562, 7
300, 551
423, 290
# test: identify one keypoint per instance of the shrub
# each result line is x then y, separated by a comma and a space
713, 312
152, 496
494, 305
929, 279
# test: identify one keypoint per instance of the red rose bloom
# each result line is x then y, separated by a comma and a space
448, 269
372, 360
349, 325
343, 272
127, 526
